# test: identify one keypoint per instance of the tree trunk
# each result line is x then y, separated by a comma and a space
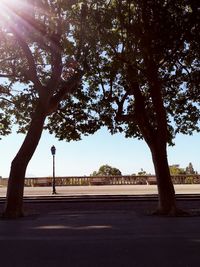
14, 199
166, 193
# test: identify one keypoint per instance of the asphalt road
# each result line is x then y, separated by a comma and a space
100, 234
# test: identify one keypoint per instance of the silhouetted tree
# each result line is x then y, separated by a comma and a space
41, 68
144, 74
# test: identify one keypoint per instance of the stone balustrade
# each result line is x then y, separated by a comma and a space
104, 180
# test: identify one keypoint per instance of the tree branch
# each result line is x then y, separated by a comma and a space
66, 87
7, 100
2, 75
6, 59
119, 114
32, 71
56, 58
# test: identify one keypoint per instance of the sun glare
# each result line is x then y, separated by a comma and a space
6, 4
10, 9
10, 2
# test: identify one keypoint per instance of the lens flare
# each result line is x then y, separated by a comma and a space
11, 7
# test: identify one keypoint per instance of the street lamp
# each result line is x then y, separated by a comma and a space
53, 152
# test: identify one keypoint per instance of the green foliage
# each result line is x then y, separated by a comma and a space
73, 118
119, 46
39, 63
176, 170
4, 124
5, 118
106, 170
142, 172
138, 51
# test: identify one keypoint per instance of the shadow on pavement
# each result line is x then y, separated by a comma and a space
99, 234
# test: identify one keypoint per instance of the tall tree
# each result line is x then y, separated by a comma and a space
41, 67
143, 74
107, 170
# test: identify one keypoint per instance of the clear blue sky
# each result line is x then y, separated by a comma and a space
85, 156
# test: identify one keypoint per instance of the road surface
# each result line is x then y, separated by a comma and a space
100, 234
104, 190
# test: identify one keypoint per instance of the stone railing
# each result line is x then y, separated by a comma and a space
186, 179
104, 180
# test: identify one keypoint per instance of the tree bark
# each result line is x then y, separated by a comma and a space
156, 138
166, 193
15, 190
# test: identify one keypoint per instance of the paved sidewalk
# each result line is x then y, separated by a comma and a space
104, 190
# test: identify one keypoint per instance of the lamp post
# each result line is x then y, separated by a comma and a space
53, 152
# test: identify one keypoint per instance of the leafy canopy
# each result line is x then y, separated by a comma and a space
136, 46
116, 44
39, 60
